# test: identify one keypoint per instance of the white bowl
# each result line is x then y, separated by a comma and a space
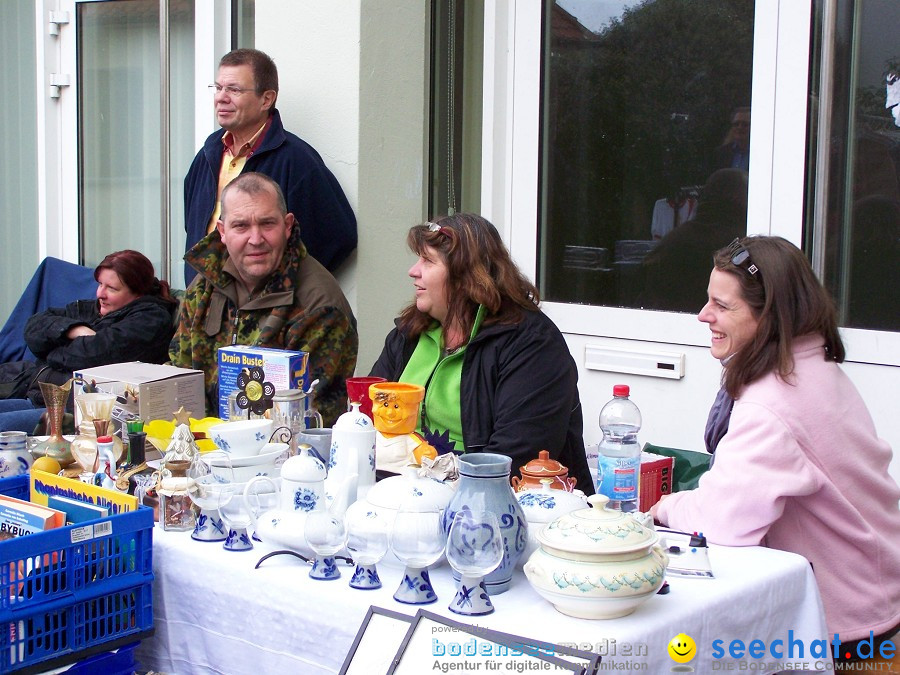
245, 468
243, 438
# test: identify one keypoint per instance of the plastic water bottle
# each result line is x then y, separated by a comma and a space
619, 457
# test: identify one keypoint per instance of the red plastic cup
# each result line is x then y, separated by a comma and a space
358, 392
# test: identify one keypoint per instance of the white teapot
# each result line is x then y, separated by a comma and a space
302, 492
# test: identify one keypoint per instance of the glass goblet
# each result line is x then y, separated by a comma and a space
325, 535
206, 492
235, 515
367, 543
87, 456
474, 549
417, 539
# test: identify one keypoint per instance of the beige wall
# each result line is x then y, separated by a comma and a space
353, 84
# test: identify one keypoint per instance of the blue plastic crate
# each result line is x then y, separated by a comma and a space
119, 662
62, 593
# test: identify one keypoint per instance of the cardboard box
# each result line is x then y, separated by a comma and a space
656, 479
285, 369
159, 390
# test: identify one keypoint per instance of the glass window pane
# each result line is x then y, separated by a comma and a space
18, 171
119, 101
457, 46
120, 130
642, 103
860, 189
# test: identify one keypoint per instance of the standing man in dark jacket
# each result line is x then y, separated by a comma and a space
252, 138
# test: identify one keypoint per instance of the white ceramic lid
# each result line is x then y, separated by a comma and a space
544, 504
353, 420
597, 530
303, 467
410, 491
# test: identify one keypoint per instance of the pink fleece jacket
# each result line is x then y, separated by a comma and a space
801, 469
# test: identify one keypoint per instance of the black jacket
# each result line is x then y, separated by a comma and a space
518, 392
139, 331
311, 192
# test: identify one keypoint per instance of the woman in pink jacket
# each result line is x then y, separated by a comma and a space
798, 464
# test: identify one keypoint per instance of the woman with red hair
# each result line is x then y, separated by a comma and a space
131, 319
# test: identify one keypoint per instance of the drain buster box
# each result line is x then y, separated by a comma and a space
285, 369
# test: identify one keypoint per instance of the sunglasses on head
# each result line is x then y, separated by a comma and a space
434, 227
740, 257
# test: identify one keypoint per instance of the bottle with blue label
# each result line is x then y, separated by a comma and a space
619, 456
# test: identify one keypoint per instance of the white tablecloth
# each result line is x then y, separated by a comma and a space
215, 613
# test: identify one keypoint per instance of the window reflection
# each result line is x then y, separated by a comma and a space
860, 187
641, 105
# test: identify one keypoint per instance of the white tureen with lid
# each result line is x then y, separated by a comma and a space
596, 563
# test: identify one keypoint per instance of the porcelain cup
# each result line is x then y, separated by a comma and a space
319, 440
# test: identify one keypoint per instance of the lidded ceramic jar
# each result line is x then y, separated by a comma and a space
543, 467
543, 506
596, 563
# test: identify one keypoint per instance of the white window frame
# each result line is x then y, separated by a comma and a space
511, 146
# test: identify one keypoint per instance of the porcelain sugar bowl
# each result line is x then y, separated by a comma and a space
596, 563
541, 507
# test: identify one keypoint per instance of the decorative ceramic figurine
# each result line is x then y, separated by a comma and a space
596, 563
543, 467
395, 410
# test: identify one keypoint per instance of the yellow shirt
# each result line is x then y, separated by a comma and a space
232, 166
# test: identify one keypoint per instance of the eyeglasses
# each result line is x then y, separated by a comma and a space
740, 257
434, 227
231, 91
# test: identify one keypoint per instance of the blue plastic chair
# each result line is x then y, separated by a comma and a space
55, 283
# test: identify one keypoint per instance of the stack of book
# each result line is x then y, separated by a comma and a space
18, 517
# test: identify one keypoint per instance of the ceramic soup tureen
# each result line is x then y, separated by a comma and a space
596, 563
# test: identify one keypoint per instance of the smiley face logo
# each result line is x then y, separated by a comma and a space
682, 648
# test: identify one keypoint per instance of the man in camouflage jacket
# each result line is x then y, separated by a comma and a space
256, 285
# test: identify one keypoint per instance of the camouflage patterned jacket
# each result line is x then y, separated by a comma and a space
301, 307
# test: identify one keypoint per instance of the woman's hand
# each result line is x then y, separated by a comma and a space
655, 507
80, 331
